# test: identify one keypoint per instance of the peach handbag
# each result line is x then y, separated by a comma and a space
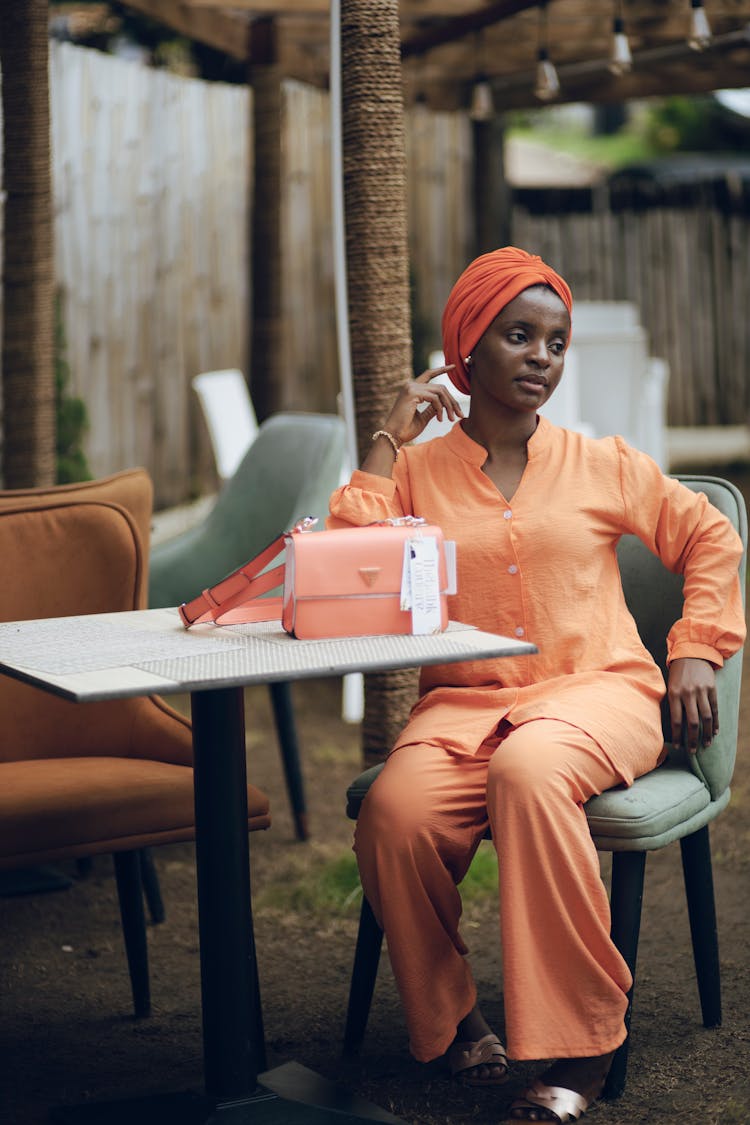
386, 578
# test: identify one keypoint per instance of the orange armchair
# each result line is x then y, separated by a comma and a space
115, 776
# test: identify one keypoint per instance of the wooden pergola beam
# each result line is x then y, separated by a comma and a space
215, 28
265, 7
459, 27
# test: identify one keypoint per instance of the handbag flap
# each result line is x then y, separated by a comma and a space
356, 561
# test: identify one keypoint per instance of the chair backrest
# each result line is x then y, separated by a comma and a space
132, 489
654, 597
289, 471
64, 558
230, 416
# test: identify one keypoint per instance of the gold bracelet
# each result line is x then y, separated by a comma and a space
389, 437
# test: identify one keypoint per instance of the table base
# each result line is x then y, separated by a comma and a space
290, 1095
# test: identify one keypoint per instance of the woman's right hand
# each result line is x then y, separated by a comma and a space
406, 421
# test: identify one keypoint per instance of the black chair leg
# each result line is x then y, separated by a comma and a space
151, 888
364, 973
281, 700
628, 869
130, 894
699, 888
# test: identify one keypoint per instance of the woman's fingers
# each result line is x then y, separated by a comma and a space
432, 372
693, 703
418, 401
438, 396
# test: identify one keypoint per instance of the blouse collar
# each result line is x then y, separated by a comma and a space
469, 450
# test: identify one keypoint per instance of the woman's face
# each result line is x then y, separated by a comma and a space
519, 360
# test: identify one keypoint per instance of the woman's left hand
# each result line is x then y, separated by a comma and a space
691, 692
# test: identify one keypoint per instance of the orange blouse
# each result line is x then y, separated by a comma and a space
544, 567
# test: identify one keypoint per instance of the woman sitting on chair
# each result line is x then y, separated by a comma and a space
522, 743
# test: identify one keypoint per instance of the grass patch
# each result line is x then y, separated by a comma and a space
628, 146
331, 887
734, 1113
332, 753
481, 879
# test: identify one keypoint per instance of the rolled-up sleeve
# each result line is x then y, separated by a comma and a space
368, 498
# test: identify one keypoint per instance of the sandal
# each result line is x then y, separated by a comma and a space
565, 1105
487, 1051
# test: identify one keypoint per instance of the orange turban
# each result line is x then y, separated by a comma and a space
485, 287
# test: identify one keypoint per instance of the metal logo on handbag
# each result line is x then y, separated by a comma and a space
386, 578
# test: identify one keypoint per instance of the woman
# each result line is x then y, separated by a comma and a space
523, 743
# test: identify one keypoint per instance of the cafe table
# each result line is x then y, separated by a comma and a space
144, 652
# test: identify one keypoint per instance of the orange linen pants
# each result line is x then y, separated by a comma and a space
564, 981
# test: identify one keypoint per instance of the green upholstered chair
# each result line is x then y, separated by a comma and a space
675, 802
289, 471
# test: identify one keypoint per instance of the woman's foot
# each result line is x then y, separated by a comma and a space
477, 1057
545, 1099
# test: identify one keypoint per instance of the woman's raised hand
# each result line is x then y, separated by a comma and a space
406, 421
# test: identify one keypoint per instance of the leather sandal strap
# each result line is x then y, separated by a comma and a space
487, 1051
567, 1105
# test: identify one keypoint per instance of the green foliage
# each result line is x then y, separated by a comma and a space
687, 125
72, 418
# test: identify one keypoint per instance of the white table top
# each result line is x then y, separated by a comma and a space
144, 652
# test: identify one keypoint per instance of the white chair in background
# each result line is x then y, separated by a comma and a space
230, 416
564, 407
622, 390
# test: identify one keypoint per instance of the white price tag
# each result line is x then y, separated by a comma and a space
421, 560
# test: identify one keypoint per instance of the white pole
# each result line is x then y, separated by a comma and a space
353, 699
339, 238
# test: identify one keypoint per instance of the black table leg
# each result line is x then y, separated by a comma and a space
233, 1047
233, 1044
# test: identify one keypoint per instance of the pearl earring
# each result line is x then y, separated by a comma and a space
468, 361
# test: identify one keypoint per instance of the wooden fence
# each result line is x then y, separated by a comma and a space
151, 180
685, 262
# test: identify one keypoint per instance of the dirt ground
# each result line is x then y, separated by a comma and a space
67, 1035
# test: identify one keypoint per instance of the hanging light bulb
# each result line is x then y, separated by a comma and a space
700, 29
621, 60
547, 84
482, 106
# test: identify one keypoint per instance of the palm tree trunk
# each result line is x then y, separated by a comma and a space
374, 146
28, 448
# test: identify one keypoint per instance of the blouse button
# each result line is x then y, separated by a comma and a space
512, 569
507, 514
519, 631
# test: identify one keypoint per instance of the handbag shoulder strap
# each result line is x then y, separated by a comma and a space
236, 599
241, 586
